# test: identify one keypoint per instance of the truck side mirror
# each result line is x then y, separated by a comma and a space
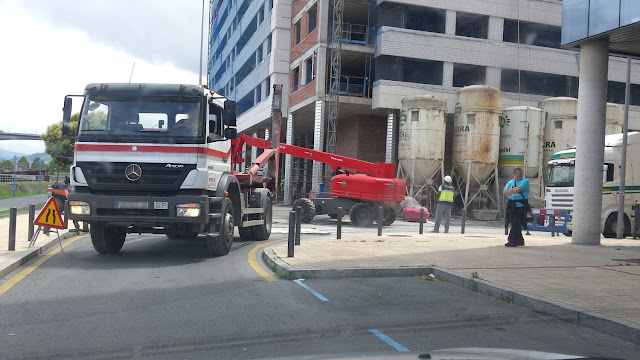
66, 117
230, 133
229, 115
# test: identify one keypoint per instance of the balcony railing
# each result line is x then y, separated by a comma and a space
354, 85
357, 34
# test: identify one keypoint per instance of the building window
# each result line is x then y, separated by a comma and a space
271, 4
464, 75
532, 33
307, 70
269, 45
537, 83
397, 68
312, 18
472, 25
260, 16
268, 86
414, 115
296, 78
296, 29
258, 92
259, 57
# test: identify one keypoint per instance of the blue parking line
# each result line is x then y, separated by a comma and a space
394, 344
315, 293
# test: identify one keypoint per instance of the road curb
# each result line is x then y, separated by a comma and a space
618, 327
21, 258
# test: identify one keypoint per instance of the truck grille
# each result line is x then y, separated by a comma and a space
154, 177
561, 201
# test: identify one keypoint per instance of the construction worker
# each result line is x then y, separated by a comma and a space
517, 190
445, 201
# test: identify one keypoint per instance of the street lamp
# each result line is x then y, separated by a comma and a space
15, 165
40, 176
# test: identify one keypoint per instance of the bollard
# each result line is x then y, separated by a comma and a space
339, 230
553, 225
66, 214
464, 219
292, 230
298, 225
421, 228
85, 226
380, 219
32, 214
13, 212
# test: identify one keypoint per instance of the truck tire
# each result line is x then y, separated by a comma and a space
106, 239
389, 216
611, 226
361, 214
308, 209
263, 231
221, 245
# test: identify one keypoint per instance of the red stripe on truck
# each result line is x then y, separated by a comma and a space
152, 149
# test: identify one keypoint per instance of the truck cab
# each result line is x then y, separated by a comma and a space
155, 158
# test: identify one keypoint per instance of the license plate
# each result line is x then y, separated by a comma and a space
132, 205
160, 205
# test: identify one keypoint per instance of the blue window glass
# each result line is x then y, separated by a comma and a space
575, 16
604, 15
629, 12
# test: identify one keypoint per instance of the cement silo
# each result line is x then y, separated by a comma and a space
421, 145
561, 123
521, 135
476, 142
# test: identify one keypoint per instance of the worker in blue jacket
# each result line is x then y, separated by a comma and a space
517, 191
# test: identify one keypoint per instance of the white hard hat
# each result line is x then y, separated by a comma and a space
447, 178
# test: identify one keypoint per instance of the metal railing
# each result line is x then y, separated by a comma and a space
357, 34
354, 85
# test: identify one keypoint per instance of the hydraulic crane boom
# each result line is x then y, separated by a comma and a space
337, 162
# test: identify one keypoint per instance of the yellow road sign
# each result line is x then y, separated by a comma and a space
50, 216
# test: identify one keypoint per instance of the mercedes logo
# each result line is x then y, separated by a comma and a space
133, 172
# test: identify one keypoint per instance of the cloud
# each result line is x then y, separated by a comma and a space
156, 31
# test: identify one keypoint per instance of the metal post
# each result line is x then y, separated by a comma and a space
85, 226
380, 219
339, 230
15, 166
292, 230
421, 228
39, 176
13, 212
66, 214
553, 225
32, 214
466, 200
623, 160
298, 225
201, 36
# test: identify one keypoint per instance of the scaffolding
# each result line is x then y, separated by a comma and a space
334, 81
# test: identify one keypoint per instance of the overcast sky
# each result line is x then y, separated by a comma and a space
51, 48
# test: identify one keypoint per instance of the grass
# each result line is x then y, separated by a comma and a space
5, 213
23, 189
474, 275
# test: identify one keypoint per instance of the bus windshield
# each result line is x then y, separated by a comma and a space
561, 175
142, 120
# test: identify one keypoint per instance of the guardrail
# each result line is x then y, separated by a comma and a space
353, 85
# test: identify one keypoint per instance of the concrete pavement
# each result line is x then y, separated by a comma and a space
165, 299
23, 201
600, 279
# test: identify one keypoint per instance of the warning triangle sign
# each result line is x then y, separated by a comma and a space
50, 216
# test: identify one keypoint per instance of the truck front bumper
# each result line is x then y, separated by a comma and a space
147, 211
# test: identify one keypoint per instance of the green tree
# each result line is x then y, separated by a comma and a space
58, 147
34, 163
23, 163
6, 165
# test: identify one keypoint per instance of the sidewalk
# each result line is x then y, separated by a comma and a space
22, 236
601, 279
23, 201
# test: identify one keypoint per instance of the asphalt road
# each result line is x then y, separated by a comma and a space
165, 299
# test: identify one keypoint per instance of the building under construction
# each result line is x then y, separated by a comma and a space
343, 85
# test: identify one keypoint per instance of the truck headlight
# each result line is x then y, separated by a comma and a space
188, 210
79, 208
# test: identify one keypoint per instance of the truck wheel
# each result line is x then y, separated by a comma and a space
263, 231
221, 245
308, 209
389, 216
106, 239
361, 214
611, 226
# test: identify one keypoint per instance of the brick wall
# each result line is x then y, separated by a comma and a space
347, 141
298, 5
307, 39
304, 91
372, 133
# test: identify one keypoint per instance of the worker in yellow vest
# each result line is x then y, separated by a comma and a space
445, 201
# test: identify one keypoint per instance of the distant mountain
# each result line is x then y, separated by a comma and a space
42, 155
8, 155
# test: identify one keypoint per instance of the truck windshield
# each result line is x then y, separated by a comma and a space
154, 120
561, 175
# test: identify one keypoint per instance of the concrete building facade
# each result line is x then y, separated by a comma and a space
391, 49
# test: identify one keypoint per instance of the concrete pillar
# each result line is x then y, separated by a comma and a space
321, 71
390, 144
450, 24
447, 74
493, 77
265, 171
592, 106
318, 144
254, 150
288, 164
496, 28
